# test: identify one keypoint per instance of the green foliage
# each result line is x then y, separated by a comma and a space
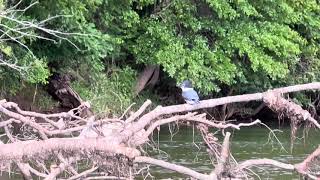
44, 102
245, 45
230, 42
37, 72
90, 44
10, 83
1, 5
6, 50
109, 95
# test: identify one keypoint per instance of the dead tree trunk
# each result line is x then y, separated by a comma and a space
112, 147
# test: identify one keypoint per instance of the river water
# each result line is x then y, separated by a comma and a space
185, 148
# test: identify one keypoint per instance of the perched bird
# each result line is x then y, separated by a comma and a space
188, 93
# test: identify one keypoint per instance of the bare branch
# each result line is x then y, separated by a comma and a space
22, 166
37, 173
166, 121
16, 29
55, 171
139, 112
7, 122
34, 148
147, 118
313, 121
256, 162
220, 168
125, 112
174, 167
105, 177
83, 174
303, 166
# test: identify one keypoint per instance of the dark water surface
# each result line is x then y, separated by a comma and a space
185, 149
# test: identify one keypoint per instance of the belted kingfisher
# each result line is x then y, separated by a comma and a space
188, 93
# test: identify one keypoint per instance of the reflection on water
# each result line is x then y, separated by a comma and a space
186, 149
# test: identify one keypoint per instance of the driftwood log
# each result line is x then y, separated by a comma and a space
111, 148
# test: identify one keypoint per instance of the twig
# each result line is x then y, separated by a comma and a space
139, 112
37, 173
42, 131
190, 117
104, 177
55, 171
166, 121
255, 162
125, 112
174, 167
84, 173
7, 122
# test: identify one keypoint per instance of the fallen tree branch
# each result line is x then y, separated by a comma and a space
313, 121
115, 142
106, 177
83, 174
55, 171
32, 148
68, 114
256, 162
173, 167
303, 166
222, 161
190, 117
7, 122
22, 166
126, 111
166, 121
139, 112
42, 131
296, 114
35, 172
147, 118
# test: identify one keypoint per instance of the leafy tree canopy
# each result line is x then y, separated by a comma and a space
246, 45
216, 42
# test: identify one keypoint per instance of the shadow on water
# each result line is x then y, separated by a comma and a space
186, 149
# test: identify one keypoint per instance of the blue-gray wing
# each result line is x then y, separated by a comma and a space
190, 95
